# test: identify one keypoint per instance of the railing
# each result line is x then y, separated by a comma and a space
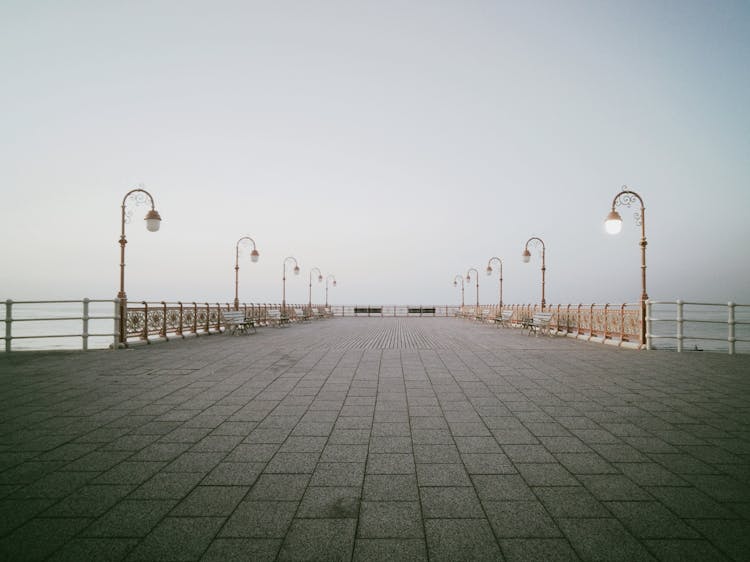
698, 322
617, 324
56, 319
148, 321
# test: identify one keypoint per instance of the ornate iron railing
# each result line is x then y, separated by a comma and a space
607, 323
151, 320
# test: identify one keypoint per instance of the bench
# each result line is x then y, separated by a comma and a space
300, 315
276, 318
421, 310
539, 323
235, 322
503, 319
483, 316
368, 310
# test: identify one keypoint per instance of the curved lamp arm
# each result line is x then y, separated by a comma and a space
526, 256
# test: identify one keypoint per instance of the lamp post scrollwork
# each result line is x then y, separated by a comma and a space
489, 272
283, 281
334, 284
254, 255
137, 196
309, 294
526, 257
456, 279
468, 278
613, 225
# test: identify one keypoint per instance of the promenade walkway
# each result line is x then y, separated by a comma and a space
375, 439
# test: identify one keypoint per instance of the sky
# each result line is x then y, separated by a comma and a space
392, 144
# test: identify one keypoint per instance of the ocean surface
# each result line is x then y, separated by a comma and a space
30, 320
33, 320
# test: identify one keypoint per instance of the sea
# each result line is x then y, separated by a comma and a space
47, 328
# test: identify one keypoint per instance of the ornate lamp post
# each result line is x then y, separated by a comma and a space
153, 221
254, 255
456, 279
309, 294
468, 278
613, 225
334, 284
526, 256
489, 272
283, 281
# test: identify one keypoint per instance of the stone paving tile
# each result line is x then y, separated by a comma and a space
319, 539
318, 442
177, 538
260, 519
242, 550
378, 550
390, 519
461, 539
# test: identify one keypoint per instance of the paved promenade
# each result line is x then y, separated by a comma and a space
375, 439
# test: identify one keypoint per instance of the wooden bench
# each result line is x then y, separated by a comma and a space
276, 318
539, 323
503, 319
235, 322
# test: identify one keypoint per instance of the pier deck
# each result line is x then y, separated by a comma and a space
375, 439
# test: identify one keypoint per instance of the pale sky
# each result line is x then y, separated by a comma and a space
393, 144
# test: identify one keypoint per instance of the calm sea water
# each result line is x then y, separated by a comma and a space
23, 325
27, 322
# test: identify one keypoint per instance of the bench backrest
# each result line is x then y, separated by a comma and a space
542, 317
233, 315
274, 313
506, 314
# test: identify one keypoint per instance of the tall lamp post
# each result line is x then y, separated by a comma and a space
489, 272
334, 284
283, 281
254, 255
153, 221
526, 256
456, 279
468, 278
309, 294
613, 225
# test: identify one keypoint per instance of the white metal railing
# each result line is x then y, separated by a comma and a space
48, 317
698, 321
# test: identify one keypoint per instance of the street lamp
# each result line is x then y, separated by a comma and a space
468, 278
254, 255
283, 284
526, 256
334, 284
489, 272
613, 225
309, 294
153, 221
456, 279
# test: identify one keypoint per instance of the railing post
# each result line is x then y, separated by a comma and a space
195, 318
730, 325
606, 317
180, 328
648, 325
116, 332
8, 324
145, 321
680, 320
164, 320
85, 332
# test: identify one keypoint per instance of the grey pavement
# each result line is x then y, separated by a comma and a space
375, 439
